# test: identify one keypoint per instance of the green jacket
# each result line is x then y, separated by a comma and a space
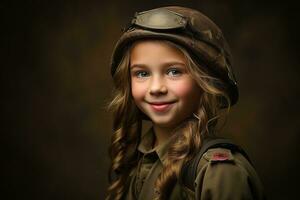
232, 178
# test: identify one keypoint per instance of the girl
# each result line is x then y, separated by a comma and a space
172, 66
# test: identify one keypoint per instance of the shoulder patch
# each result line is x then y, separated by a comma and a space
218, 155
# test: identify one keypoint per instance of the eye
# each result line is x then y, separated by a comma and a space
141, 74
174, 72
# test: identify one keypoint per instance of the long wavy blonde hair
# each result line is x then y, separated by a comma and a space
127, 127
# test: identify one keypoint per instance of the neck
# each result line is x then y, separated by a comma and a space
161, 134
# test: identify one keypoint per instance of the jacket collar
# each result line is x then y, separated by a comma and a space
147, 143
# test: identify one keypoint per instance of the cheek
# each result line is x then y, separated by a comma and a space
186, 90
138, 91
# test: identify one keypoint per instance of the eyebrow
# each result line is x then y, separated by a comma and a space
166, 64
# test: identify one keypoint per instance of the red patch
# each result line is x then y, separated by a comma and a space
220, 156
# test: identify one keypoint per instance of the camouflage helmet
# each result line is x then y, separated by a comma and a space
192, 30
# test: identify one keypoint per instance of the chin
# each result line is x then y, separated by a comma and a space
163, 123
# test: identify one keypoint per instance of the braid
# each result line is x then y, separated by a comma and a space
124, 157
185, 143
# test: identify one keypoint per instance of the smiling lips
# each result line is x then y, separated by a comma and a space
161, 106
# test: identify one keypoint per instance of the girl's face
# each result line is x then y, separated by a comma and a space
161, 86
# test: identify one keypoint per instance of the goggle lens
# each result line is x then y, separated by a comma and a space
159, 19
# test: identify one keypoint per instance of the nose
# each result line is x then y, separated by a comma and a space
158, 86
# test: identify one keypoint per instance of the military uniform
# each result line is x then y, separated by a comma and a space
221, 175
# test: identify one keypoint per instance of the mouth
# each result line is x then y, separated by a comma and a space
161, 106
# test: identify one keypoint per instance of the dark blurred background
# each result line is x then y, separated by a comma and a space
55, 79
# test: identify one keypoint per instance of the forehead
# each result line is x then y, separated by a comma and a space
155, 51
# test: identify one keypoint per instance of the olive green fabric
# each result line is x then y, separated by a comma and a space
232, 178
